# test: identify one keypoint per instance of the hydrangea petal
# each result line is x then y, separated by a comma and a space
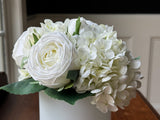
135, 64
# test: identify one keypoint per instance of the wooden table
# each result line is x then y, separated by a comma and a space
27, 108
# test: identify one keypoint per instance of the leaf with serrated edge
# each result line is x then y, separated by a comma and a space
23, 87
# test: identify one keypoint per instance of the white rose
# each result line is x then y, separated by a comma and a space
21, 48
24, 43
50, 59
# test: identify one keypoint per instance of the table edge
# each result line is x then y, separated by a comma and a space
149, 105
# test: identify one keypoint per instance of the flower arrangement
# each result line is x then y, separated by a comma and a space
75, 59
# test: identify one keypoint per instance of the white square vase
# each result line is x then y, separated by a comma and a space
52, 109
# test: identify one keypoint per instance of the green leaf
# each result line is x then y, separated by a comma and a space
137, 58
23, 87
73, 75
78, 24
69, 95
35, 31
35, 82
35, 38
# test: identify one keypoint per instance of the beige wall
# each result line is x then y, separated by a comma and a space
1, 57
14, 28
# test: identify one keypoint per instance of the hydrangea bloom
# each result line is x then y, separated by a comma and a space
107, 67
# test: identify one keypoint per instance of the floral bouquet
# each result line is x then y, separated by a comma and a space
75, 59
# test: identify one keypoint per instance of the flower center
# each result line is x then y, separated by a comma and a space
50, 56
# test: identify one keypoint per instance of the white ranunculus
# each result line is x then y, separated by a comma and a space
21, 48
50, 59
24, 43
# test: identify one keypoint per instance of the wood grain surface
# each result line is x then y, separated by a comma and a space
138, 109
17, 107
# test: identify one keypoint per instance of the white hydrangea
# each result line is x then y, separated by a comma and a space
123, 86
50, 26
106, 63
96, 54
104, 100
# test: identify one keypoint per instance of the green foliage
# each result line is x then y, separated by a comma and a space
73, 75
69, 95
23, 87
29, 86
137, 58
35, 38
78, 24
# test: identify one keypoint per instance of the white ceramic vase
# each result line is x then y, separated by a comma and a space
51, 109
